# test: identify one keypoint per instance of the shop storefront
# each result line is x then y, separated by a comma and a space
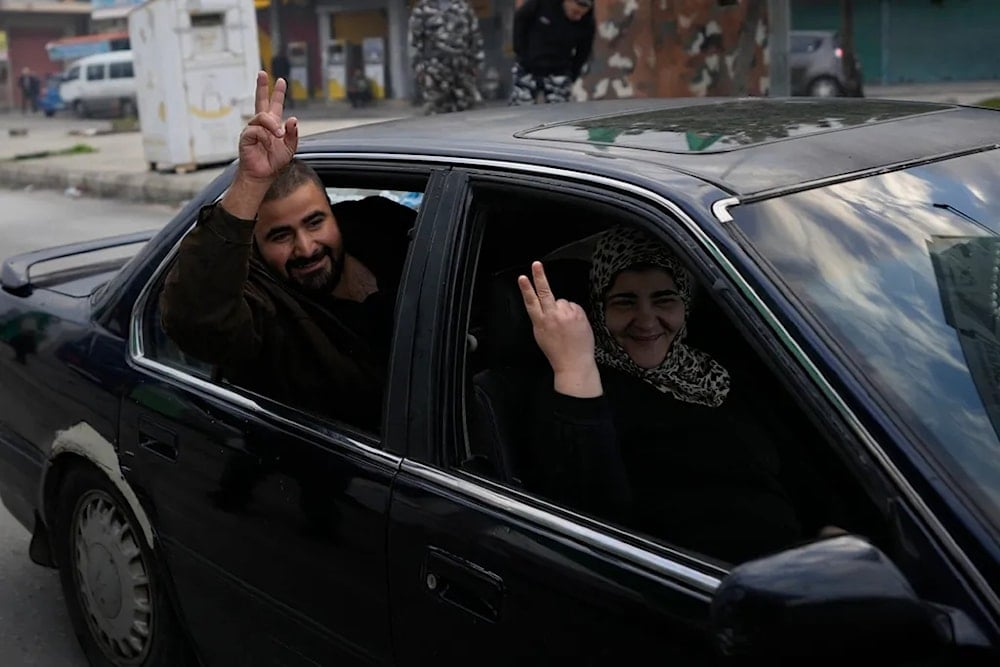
363, 37
328, 41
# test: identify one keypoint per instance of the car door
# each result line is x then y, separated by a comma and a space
481, 569
271, 521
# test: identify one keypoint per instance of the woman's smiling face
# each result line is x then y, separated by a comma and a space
643, 312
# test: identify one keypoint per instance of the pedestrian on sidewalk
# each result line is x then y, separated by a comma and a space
281, 68
553, 40
29, 85
448, 52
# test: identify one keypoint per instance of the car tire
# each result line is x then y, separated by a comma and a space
99, 546
79, 110
49, 113
127, 108
825, 86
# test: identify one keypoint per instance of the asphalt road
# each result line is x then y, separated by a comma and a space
34, 626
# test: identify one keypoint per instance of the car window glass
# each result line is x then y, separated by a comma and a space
902, 271
636, 457
161, 349
299, 335
72, 74
121, 70
804, 43
95, 72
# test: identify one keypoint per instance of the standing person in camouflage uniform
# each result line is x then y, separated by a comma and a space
447, 51
552, 42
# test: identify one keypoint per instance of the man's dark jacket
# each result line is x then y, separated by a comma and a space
221, 304
547, 42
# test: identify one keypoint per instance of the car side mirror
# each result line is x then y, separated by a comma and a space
835, 597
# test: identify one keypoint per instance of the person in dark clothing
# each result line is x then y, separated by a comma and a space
289, 295
447, 47
281, 68
30, 86
359, 90
637, 426
552, 42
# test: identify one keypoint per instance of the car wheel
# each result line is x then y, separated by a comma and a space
824, 87
49, 113
110, 579
79, 110
127, 108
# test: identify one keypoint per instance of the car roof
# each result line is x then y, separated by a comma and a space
746, 146
104, 56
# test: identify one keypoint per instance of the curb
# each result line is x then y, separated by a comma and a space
138, 188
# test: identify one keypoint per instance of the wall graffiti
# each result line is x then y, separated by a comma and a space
677, 48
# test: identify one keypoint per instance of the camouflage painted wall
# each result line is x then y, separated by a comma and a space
677, 48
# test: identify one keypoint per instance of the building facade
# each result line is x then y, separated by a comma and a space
28, 26
328, 40
643, 47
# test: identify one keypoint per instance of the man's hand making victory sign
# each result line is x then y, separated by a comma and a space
267, 144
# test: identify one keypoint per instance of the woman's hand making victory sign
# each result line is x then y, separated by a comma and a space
563, 333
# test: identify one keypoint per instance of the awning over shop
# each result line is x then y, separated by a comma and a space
71, 48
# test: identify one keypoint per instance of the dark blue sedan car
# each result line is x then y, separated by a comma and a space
845, 267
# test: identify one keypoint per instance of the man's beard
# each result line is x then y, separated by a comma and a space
320, 282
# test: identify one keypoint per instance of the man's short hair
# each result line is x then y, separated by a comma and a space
291, 177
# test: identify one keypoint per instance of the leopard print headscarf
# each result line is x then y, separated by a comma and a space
687, 374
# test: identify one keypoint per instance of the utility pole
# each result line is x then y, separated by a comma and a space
779, 21
847, 32
275, 21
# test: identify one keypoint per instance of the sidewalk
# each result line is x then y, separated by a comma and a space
117, 168
952, 92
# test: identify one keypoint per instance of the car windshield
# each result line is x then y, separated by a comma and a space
804, 43
902, 271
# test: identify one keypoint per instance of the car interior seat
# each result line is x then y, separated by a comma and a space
501, 393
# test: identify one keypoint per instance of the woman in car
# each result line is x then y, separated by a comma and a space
638, 427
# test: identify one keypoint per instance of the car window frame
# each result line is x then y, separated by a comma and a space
285, 416
696, 574
672, 220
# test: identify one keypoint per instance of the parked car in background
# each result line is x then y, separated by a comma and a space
103, 84
855, 293
819, 67
49, 99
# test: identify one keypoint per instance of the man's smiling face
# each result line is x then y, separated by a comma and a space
299, 239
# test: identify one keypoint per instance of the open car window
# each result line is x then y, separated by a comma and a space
159, 347
682, 471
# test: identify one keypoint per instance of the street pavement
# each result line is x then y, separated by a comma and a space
118, 169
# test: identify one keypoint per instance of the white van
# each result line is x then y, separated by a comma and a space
101, 83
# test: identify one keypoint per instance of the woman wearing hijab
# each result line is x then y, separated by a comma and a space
639, 425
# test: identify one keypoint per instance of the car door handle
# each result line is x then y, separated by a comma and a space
462, 584
156, 439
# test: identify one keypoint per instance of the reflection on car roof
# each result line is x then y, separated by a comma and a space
747, 146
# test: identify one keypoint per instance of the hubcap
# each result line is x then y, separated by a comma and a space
113, 579
824, 88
